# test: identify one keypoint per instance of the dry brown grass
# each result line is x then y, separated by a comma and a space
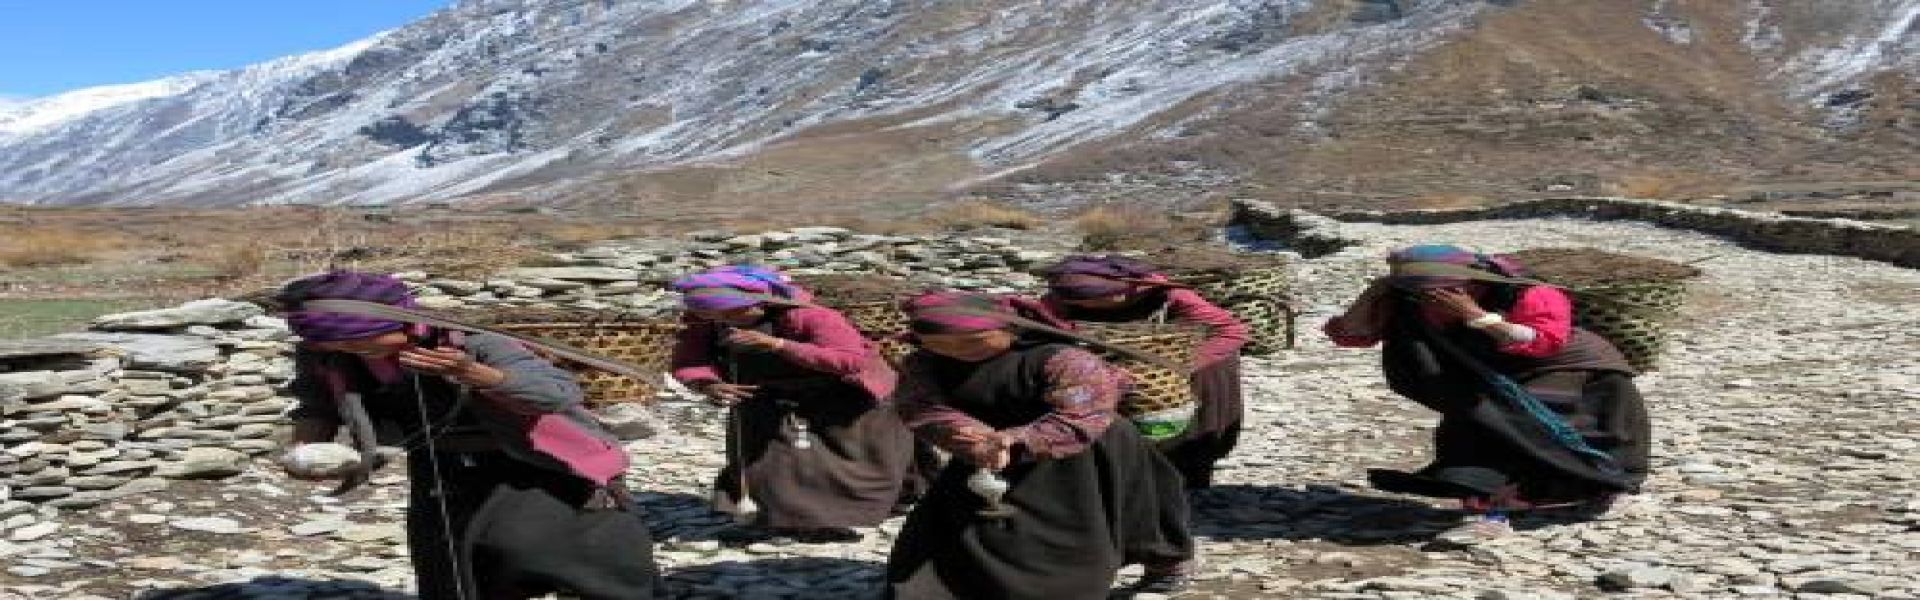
1668, 184
32, 247
1116, 226
975, 214
187, 252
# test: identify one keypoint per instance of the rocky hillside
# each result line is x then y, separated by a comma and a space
781, 103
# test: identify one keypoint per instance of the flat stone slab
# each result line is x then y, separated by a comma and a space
574, 273
46, 348
171, 353
213, 311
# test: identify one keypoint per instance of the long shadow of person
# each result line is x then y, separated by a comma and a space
1351, 517
680, 516
1315, 513
278, 587
797, 578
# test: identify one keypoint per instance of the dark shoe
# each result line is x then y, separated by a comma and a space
824, 535
741, 536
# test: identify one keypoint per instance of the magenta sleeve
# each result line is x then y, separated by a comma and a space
1225, 333
692, 360
824, 340
1549, 312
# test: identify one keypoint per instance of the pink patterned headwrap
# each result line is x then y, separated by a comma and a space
740, 286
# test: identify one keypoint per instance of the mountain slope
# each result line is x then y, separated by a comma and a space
765, 103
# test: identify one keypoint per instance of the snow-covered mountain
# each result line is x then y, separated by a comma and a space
564, 100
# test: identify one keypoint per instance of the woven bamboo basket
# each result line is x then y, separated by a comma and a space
1632, 316
1629, 300
1258, 296
875, 319
1156, 388
648, 344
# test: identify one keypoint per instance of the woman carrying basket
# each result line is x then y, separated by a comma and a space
813, 448
1117, 289
1078, 492
1534, 412
516, 490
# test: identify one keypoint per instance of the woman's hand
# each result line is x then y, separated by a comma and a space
727, 394
452, 364
989, 449
754, 340
1454, 301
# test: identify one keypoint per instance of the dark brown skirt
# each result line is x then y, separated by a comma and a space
1216, 424
1075, 521
1477, 453
514, 530
851, 476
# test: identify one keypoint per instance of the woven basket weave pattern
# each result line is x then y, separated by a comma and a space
1258, 297
1634, 317
647, 344
1156, 388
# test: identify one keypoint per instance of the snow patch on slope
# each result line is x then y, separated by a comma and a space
1896, 45
33, 115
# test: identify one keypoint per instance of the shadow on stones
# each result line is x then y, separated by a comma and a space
680, 516
1315, 513
278, 587
798, 578
1330, 514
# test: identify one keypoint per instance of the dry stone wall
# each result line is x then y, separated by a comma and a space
1317, 234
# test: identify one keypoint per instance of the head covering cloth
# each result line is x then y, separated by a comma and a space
959, 312
738, 286
1432, 266
1087, 277
325, 326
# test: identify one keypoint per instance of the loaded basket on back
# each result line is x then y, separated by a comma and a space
1629, 300
1255, 288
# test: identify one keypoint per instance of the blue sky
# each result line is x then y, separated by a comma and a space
52, 46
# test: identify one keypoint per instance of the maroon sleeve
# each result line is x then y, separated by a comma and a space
1549, 313
1084, 391
824, 340
693, 353
925, 410
1225, 333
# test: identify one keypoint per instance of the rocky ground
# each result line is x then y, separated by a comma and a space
1787, 416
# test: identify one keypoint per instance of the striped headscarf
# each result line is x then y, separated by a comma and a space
739, 286
989, 312
1414, 267
318, 326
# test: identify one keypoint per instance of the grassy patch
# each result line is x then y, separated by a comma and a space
974, 214
35, 318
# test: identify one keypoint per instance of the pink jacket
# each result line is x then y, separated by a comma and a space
820, 339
